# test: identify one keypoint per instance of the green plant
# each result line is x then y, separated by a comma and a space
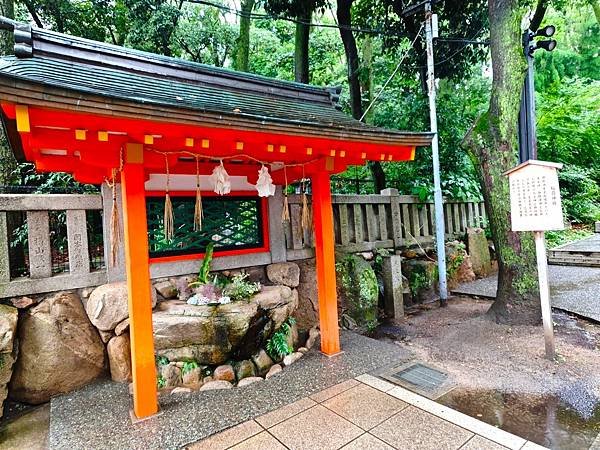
188, 366
418, 282
160, 382
205, 266
162, 361
240, 288
455, 260
278, 344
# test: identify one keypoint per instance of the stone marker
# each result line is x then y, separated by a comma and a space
477, 247
392, 287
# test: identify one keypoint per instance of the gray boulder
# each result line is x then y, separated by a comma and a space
108, 306
59, 350
119, 358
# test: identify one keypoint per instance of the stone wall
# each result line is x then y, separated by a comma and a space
8, 329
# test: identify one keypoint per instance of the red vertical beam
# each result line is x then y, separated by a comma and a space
325, 259
145, 402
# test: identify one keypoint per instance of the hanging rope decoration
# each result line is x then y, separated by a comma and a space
198, 212
305, 222
285, 215
115, 227
168, 222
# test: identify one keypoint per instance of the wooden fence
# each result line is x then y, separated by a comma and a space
366, 222
362, 223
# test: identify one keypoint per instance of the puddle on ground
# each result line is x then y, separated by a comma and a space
568, 423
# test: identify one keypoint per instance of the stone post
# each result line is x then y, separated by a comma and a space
277, 244
396, 217
392, 287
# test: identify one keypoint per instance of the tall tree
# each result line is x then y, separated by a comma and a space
302, 11
493, 141
242, 45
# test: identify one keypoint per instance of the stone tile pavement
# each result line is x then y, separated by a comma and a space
364, 413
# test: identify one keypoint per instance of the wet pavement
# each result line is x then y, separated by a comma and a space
573, 289
569, 421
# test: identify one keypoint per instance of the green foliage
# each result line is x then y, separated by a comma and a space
205, 265
278, 344
454, 259
240, 288
580, 194
418, 281
188, 366
360, 289
162, 361
160, 382
561, 237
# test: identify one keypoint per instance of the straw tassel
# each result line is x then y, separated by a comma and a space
305, 212
285, 216
115, 226
198, 212
168, 226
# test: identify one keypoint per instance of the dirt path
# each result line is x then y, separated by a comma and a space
480, 354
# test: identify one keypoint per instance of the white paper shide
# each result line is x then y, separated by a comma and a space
220, 180
264, 185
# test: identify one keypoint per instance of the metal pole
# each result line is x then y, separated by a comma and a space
437, 189
530, 104
542, 264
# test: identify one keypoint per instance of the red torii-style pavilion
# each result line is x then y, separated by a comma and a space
88, 108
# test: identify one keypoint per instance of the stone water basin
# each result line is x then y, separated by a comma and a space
212, 335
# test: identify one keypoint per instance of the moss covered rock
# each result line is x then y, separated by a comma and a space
359, 290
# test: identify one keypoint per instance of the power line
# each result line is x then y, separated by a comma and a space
258, 16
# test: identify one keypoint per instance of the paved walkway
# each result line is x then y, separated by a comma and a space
573, 289
365, 413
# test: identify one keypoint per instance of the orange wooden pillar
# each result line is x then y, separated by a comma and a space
325, 259
145, 402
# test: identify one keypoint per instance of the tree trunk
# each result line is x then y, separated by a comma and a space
301, 64
345, 22
242, 50
596, 7
7, 159
492, 142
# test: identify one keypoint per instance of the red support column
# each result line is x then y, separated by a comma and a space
145, 402
325, 258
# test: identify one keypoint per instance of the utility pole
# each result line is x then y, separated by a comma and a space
431, 32
440, 232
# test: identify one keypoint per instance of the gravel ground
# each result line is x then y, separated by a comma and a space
478, 353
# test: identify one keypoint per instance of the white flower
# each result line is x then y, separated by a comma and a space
264, 185
220, 180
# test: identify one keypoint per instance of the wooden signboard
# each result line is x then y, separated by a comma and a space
535, 206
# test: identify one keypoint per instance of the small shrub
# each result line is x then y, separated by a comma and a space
278, 346
188, 366
240, 288
162, 361
160, 382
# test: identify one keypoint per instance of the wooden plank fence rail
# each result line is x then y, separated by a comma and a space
361, 223
40, 279
367, 222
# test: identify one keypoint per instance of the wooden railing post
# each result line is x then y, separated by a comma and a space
396, 216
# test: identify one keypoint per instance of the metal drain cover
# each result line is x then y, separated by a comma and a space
420, 378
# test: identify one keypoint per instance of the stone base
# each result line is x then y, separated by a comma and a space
135, 419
